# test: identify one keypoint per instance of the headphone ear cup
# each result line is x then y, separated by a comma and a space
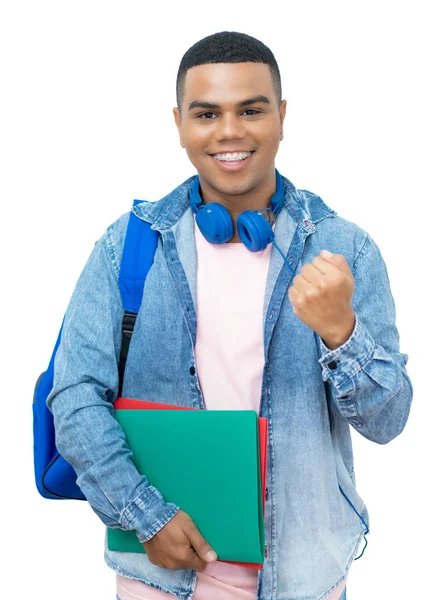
254, 230
215, 223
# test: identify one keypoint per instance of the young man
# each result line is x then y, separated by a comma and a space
224, 327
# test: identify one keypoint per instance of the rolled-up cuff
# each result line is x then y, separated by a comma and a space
341, 365
148, 513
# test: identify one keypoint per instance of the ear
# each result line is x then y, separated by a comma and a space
282, 112
177, 119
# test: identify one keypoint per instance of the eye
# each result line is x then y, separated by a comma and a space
203, 115
207, 116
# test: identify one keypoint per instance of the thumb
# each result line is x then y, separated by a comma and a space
200, 545
336, 259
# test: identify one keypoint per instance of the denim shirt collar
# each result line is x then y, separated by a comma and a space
305, 208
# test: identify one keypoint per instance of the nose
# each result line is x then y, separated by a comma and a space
230, 127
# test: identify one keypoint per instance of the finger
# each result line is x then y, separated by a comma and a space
199, 544
296, 296
304, 292
193, 561
311, 274
300, 285
324, 266
336, 259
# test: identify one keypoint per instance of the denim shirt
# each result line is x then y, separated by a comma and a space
311, 395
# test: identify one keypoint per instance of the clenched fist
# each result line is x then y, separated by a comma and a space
321, 297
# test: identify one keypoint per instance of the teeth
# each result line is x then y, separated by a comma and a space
232, 156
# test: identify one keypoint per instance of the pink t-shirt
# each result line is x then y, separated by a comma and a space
229, 355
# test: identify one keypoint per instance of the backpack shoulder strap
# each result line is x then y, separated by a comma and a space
137, 259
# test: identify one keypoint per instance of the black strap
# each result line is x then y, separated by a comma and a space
128, 323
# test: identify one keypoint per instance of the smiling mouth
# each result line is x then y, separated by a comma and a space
232, 162
233, 157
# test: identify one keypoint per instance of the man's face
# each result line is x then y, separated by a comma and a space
231, 108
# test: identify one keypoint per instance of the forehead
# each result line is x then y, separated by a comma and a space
228, 82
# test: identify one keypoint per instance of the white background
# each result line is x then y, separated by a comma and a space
86, 126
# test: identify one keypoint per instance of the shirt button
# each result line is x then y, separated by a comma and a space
192, 370
332, 365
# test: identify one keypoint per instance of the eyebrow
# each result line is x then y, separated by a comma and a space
255, 100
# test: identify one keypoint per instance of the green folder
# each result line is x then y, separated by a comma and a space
208, 463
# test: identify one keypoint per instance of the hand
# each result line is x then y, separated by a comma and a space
321, 297
179, 545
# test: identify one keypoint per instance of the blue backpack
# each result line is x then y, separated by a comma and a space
55, 478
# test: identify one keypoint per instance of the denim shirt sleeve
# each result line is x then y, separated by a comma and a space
85, 384
367, 373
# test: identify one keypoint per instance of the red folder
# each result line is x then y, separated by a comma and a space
130, 403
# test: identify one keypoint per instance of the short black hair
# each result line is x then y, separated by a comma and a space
227, 47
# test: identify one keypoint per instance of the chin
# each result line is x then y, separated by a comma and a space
234, 188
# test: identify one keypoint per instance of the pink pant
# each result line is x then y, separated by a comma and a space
218, 581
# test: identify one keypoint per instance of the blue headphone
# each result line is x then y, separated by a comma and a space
216, 226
